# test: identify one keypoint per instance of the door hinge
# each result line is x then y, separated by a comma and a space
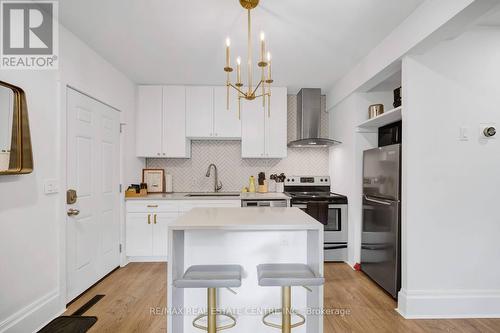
121, 127
120, 248
120, 188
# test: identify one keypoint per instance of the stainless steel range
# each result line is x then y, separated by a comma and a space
312, 195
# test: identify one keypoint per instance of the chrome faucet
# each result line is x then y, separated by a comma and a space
217, 183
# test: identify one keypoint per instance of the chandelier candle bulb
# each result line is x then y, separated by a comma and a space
228, 54
269, 71
238, 72
262, 49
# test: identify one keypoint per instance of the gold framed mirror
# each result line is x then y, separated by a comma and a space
16, 156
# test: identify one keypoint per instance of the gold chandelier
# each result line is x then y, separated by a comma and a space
265, 61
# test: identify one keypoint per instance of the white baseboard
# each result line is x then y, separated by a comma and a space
147, 259
34, 316
433, 304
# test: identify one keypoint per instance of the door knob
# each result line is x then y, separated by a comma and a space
73, 212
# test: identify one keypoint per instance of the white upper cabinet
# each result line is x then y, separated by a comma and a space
227, 123
161, 119
208, 116
149, 121
263, 131
253, 129
169, 116
199, 112
276, 124
175, 143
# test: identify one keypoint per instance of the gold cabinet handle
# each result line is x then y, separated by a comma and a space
154, 218
152, 206
149, 219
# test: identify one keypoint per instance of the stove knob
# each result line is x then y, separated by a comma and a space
293, 180
288, 180
321, 180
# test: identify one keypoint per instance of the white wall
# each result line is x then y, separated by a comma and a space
28, 221
32, 233
451, 215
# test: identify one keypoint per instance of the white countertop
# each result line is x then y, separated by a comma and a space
237, 218
238, 196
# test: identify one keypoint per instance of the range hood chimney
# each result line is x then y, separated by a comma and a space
309, 121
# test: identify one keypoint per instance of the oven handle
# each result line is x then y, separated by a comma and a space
334, 247
303, 205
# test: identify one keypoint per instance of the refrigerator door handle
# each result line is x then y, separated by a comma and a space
387, 203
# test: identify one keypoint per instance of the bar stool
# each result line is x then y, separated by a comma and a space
212, 277
286, 276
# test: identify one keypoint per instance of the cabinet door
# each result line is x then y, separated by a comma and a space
149, 121
139, 240
199, 112
253, 136
276, 124
161, 221
227, 123
175, 144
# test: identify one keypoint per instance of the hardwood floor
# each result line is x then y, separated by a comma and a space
357, 304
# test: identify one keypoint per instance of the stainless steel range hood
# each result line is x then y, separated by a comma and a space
309, 121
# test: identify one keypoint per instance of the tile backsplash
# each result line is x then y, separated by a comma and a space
189, 174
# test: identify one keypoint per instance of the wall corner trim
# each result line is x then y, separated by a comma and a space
434, 304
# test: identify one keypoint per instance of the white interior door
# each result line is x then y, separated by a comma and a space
93, 146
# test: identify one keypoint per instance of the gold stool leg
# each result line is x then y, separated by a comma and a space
212, 310
286, 305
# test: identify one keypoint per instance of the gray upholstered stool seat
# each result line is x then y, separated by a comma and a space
211, 276
279, 275
286, 276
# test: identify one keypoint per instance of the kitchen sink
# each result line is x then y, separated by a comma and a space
218, 195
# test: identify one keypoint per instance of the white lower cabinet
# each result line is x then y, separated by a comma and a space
147, 225
160, 232
139, 241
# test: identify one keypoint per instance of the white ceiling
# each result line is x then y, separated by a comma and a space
313, 42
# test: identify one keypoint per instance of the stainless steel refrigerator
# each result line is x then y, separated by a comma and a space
381, 228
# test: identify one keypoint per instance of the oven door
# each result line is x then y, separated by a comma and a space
335, 222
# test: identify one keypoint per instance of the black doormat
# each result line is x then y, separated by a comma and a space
69, 324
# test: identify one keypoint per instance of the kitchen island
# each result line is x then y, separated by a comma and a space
246, 237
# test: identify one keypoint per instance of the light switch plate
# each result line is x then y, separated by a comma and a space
463, 134
51, 186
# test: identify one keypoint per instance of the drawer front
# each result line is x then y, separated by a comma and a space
151, 206
186, 206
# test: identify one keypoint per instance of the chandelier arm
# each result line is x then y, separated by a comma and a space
233, 86
257, 87
263, 95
